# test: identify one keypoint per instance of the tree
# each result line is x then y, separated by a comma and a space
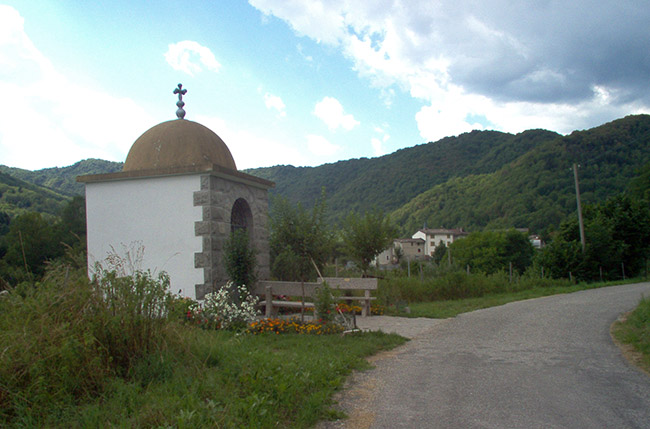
399, 254
492, 251
30, 242
518, 250
617, 232
73, 220
439, 252
365, 237
239, 258
299, 240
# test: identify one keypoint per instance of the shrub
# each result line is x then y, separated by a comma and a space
239, 258
133, 310
324, 302
231, 307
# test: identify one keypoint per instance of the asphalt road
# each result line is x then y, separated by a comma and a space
542, 363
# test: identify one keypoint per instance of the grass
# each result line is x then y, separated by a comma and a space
78, 354
635, 331
451, 308
230, 380
69, 360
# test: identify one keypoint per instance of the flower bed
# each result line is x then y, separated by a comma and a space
293, 326
375, 309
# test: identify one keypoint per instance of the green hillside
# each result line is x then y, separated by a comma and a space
390, 181
18, 196
63, 179
475, 180
537, 190
478, 179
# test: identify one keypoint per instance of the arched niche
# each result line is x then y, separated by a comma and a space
241, 216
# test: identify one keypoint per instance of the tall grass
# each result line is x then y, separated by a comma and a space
75, 353
455, 284
63, 338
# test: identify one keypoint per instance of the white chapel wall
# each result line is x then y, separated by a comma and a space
158, 213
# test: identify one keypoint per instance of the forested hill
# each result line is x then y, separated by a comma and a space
63, 179
478, 179
18, 196
390, 181
537, 190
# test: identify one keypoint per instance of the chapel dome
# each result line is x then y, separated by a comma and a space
178, 143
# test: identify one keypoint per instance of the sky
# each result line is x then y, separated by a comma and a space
311, 82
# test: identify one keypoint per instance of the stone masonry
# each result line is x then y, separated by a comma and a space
217, 197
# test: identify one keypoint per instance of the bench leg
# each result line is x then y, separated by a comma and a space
365, 308
269, 302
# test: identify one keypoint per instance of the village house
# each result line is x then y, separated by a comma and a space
408, 249
435, 237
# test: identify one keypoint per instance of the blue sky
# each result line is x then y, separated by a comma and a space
308, 83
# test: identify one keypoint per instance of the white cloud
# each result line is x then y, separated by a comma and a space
52, 121
330, 111
191, 57
377, 148
250, 149
320, 146
315, 19
518, 65
377, 144
274, 102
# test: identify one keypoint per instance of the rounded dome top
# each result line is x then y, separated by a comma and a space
178, 143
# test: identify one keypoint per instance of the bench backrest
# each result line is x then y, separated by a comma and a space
295, 288
350, 283
286, 288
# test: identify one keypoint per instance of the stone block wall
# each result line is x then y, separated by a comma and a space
217, 197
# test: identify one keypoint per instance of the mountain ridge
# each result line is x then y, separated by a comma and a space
479, 179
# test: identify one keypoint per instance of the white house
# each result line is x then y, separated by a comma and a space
435, 237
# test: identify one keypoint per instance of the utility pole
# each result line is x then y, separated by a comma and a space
582, 226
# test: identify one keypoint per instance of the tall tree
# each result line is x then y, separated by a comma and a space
492, 251
365, 237
617, 235
299, 240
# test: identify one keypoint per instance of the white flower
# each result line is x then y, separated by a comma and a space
223, 306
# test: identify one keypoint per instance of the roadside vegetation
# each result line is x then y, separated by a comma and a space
121, 351
635, 331
451, 308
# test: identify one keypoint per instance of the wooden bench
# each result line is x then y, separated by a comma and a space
268, 289
354, 284
307, 291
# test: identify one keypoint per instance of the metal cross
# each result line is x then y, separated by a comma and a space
180, 113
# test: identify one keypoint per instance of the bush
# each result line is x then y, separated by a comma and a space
239, 258
324, 303
132, 310
231, 307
